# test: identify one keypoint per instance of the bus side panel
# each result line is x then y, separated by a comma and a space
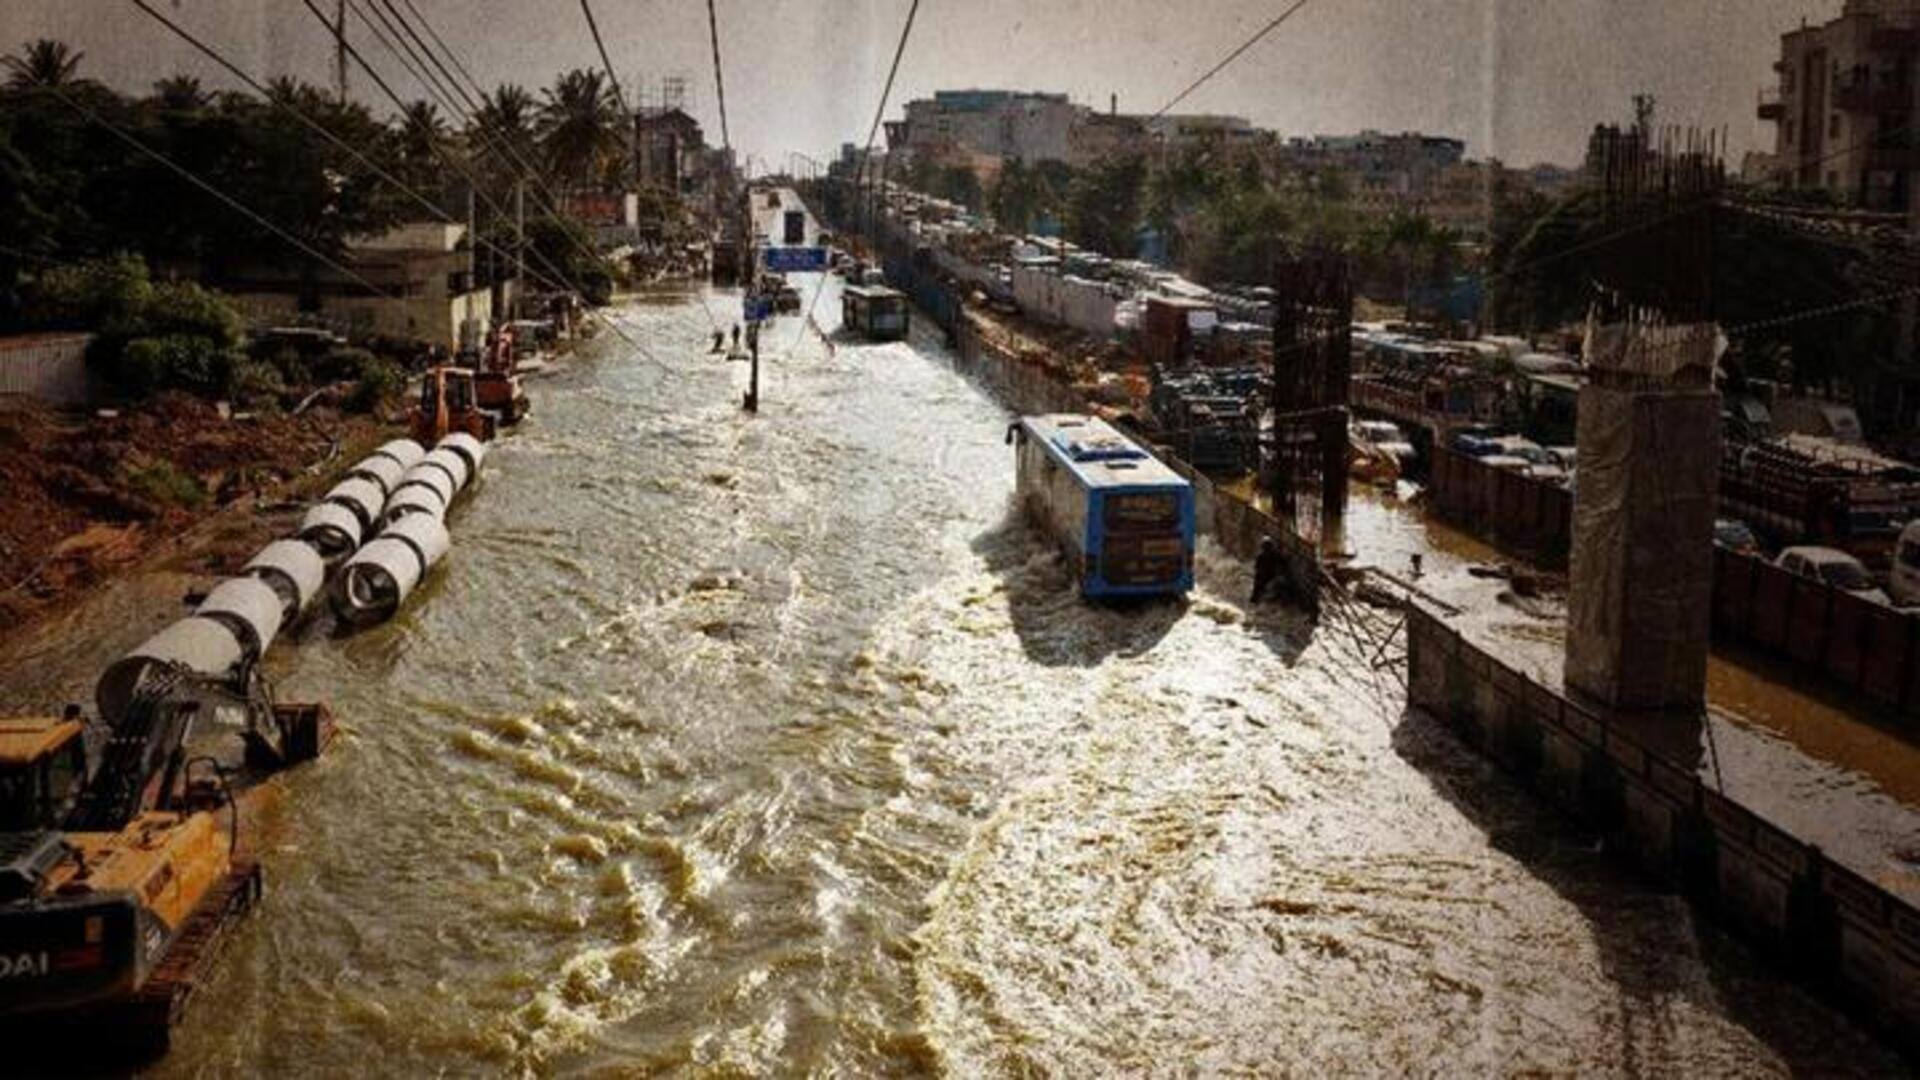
1051, 494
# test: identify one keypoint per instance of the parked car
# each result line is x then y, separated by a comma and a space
1832, 567
1905, 577
1734, 535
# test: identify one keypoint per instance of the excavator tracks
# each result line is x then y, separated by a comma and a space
148, 1017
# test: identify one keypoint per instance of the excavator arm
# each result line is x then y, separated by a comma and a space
142, 755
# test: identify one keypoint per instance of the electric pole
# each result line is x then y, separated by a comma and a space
340, 50
520, 241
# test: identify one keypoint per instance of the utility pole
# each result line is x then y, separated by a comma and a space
340, 50
520, 241
473, 269
753, 373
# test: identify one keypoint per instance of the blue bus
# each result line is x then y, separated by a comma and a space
1124, 519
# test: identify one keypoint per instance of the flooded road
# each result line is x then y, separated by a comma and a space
731, 745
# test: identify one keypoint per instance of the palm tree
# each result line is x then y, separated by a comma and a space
423, 134
181, 93
579, 126
504, 125
45, 62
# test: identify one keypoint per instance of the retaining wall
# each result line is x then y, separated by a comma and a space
1827, 924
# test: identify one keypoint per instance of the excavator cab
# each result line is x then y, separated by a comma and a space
449, 403
43, 764
495, 387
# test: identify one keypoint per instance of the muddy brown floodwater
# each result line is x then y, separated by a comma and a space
730, 745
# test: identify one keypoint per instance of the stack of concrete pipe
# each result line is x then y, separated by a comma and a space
373, 584
238, 620
350, 512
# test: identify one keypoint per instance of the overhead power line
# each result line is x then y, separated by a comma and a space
1230, 58
398, 42
374, 167
587, 9
457, 167
719, 82
187, 174
887, 91
501, 146
899, 50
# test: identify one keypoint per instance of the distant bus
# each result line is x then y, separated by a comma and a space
875, 312
1124, 519
795, 227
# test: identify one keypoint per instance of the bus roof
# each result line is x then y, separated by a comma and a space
1098, 454
873, 292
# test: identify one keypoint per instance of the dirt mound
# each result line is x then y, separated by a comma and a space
88, 494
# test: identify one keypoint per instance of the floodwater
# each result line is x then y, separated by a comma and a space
730, 745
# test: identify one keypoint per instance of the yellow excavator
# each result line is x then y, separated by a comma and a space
120, 868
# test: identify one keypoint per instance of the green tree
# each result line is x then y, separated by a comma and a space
93, 295
1104, 206
43, 63
421, 145
1016, 198
580, 127
181, 94
502, 134
25, 230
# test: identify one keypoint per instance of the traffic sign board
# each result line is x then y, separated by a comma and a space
785, 260
756, 308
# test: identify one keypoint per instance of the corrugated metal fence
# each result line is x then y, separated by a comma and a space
51, 367
1506, 508
1866, 646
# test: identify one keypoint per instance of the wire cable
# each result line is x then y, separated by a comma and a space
455, 166
879, 111
719, 82
186, 174
1230, 58
587, 9
500, 147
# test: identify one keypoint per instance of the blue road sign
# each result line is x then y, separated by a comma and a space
786, 260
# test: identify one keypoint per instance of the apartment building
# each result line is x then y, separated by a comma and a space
1844, 104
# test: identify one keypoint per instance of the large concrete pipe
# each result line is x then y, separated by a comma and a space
380, 576
251, 607
294, 569
451, 463
204, 646
332, 529
363, 497
405, 452
415, 498
380, 469
468, 447
430, 477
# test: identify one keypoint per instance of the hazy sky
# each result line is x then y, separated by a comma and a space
1523, 80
